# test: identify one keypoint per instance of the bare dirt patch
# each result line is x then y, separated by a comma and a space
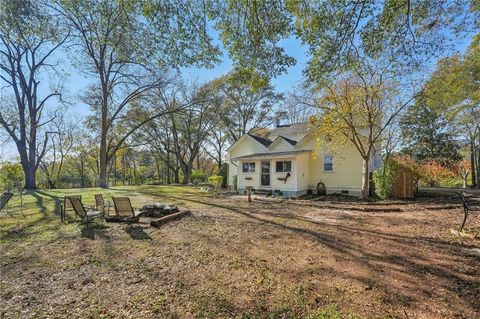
232, 258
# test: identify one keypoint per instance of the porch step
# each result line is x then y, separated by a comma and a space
262, 191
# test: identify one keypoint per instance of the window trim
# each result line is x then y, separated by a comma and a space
249, 167
326, 163
284, 166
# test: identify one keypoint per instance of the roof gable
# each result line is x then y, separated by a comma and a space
265, 142
262, 142
282, 143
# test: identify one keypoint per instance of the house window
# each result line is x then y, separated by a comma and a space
328, 163
248, 167
283, 166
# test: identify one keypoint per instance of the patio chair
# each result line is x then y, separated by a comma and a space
124, 210
86, 216
4, 199
67, 205
468, 206
101, 204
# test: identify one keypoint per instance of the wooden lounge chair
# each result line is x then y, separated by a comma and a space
4, 199
102, 205
86, 216
67, 205
124, 211
468, 206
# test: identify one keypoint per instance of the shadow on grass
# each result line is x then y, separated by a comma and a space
94, 231
40, 202
137, 232
415, 266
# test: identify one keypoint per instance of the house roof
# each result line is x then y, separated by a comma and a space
269, 155
290, 141
261, 140
294, 132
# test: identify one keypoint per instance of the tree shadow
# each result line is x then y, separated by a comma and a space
406, 256
94, 231
40, 202
137, 232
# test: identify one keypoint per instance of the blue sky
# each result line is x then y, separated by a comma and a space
76, 82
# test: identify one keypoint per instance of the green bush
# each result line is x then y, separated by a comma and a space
11, 175
384, 179
235, 182
224, 173
216, 181
198, 176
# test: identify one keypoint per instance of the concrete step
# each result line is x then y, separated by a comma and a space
262, 191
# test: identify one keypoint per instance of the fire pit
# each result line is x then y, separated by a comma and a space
157, 210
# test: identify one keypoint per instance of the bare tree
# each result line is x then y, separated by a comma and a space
191, 127
216, 143
59, 146
296, 107
249, 103
122, 43
29, 37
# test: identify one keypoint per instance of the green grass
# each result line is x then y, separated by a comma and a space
38, 219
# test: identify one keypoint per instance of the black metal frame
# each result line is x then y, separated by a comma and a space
5, 198
466, 208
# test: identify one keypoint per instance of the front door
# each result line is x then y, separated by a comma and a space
265, 174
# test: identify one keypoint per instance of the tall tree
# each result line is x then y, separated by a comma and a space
29, 38
296, 107
59, 146
454, 90
343, 37
334, 31
249, 101
191, 126
121, 41
358, 109
426, 135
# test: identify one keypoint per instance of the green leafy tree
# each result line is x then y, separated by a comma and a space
357, 110
11, 175
426, 135
336, 32
454, 90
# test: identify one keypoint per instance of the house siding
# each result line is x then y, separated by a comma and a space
281, 145
245, 147
347, 169
307, 167
291, 183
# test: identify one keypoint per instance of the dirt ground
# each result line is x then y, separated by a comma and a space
234, 259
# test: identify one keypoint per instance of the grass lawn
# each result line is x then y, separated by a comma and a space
234, 259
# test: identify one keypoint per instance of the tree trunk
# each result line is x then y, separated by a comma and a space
186, 175
365, 179
478, 159
103, 182
177, 175
472, 161
169, 179
30, 172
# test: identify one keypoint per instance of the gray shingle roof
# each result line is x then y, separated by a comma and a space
269, 155
264, 141
292, 142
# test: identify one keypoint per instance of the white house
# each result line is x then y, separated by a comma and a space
289, 159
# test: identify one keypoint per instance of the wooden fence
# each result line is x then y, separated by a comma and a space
403, 187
